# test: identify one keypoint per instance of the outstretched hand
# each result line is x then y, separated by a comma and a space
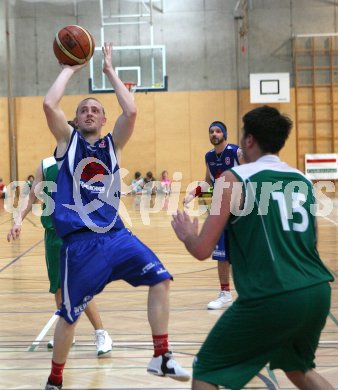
14, 233
183, 226
107, 50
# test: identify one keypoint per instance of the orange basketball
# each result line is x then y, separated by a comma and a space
73, 45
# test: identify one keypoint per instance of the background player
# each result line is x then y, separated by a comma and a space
47, 172
218, 160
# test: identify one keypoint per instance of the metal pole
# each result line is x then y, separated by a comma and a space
10, 102
237, 20
75, 8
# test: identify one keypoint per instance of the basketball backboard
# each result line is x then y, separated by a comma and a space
143, 65
269, 87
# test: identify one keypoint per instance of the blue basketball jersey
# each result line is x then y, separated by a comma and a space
219, 164
216, 165
88, 187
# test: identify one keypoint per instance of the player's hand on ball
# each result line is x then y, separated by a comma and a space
183, 226
74, 68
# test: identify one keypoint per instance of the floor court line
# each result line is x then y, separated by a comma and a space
330, 220
43, 333
19, 257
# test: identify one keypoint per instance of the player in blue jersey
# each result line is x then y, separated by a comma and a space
97, 248
282, 284
218, 160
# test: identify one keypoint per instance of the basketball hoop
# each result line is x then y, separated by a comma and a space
130, 86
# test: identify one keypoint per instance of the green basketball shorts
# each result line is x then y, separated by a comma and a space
52, 253
282, 330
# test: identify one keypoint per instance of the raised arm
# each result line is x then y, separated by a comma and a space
124, 125
203, 187
56, 119
201, 244
15, 231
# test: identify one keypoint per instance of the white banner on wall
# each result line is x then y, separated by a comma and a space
321, 166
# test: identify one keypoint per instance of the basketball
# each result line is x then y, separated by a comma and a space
73, 45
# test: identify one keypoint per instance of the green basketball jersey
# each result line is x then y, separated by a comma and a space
49, 173
273, 239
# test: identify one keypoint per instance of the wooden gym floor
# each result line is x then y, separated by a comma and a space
27, 321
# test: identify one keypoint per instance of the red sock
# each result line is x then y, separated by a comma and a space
225, 287
55, 376
160, 344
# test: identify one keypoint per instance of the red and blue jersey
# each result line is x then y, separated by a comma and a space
88, 187
217, 164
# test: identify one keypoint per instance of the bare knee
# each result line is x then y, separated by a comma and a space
62, 323
163, 286
199, 385
309, 380
296, 377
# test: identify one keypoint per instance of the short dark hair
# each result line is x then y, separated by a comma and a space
268, 126
137, 174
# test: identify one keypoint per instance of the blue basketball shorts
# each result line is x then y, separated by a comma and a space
221, 251
89, 261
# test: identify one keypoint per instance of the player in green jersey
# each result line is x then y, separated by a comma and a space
43, 182
282, 284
